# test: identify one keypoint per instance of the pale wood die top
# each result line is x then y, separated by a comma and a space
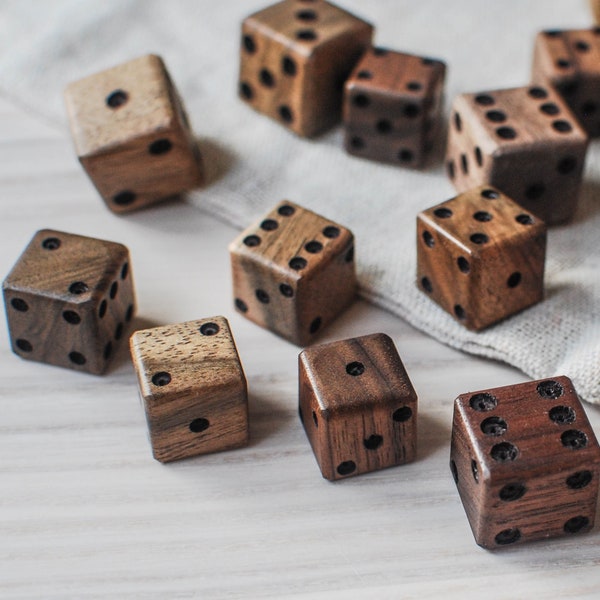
107, 109
183, 360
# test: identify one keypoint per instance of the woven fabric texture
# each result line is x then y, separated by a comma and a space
253, 162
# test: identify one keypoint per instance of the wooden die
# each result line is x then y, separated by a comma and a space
524, 141
70, 300
357, 405
526, 462
392, 107
481, 257
193, 388
569, 61
295, 56
293, 272
132, 134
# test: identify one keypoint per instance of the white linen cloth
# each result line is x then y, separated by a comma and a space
253, 162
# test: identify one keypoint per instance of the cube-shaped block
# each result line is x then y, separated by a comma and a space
481, 257
193, 388
69, 300
357, 405
570, 62
295, 57
293, 272
525, 461
524, 141
392, 106
132, 134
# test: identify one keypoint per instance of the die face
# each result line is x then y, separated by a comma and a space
570, 61
193, 388
69, 300
392, 105
294, 59
293, 272
357, 405
526, 462
132, 134
524, 141
481, 257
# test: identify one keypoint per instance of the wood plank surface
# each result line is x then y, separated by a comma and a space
86, 512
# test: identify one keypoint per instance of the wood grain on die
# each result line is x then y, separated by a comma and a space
595, 8
69, 300
570, 62
293, 272
295, 57
524, 141
392, 104
481, 257
193, 388
526, 462
357, 405
132, 134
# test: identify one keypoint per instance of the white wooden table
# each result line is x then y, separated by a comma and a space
85, 512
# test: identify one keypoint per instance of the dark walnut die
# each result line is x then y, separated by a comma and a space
392, 107
525, 461
569, 61
70, 300
524, 141
294, 59
357, 405
293, 272
193, 388
132, 134
481, 257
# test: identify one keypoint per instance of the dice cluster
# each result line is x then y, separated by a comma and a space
524, 457
305, 63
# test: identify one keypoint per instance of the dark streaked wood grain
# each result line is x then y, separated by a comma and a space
505, 139
392, 107
552, 486
70, 300
569, 61
357, 405
294, 59
311, 296
481, 257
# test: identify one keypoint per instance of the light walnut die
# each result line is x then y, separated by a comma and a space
481, 257
525, 461
570, 62
193, 388
392, 104
293, 272
357, 405
70, 300
132, 134
595, 8
524, 141
295, 57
